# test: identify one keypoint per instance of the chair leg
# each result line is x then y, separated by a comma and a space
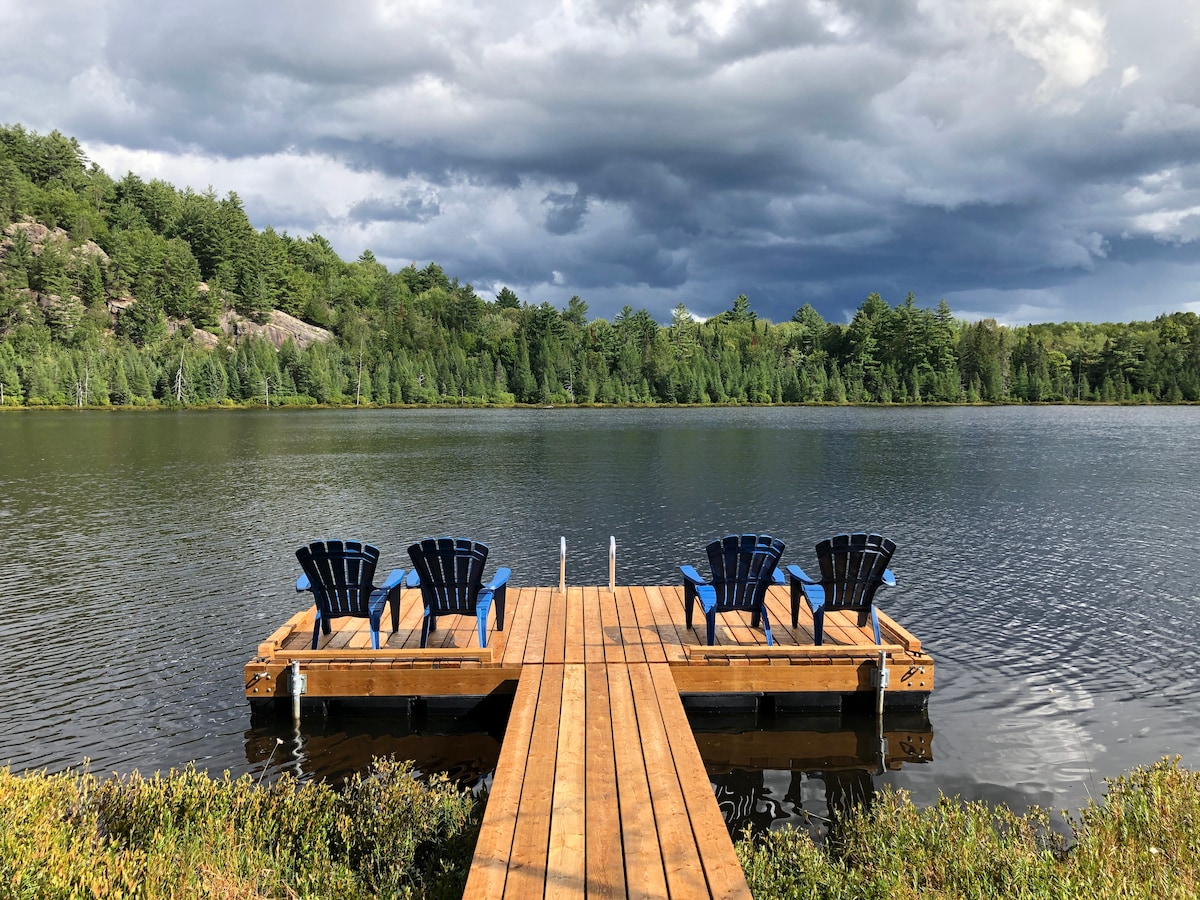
482, 617
796, 592
875, 623
500, 597
711, 619
818, 625
689, 601
426, 627
766, 624
394, 600
374, 638
316, 631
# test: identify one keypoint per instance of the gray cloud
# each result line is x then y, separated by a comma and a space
1014, 156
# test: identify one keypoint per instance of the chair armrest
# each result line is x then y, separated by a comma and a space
302, 584
798, 574
413, 580
777, 576
690, 573
393, 580
500, 578
888, 578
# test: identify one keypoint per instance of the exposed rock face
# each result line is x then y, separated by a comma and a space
39, 235
277, 329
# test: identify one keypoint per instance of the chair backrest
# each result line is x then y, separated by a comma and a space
451, 572
743, 566
340, 574
852, 567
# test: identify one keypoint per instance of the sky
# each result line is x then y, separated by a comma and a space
1025, 160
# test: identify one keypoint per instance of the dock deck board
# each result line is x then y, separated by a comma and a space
600, 789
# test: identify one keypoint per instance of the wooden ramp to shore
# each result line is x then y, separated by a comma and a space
600, 792
600, 789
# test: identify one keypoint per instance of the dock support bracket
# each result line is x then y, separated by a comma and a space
882, 677
299, 686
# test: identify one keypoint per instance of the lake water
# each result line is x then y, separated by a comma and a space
1049, 559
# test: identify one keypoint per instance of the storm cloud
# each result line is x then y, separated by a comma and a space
1028, 160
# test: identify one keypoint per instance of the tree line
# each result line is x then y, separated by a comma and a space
115, 292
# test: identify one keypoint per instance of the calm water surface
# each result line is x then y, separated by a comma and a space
1049, 558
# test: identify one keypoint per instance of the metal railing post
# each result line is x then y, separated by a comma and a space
562, 565
612, 564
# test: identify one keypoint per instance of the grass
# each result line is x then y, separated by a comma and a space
188, 835
1141, 841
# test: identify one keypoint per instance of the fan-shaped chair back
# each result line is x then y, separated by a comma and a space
451, 573
852, 567
743, 567
340, 575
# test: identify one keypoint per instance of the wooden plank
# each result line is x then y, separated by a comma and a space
489, 866
644, 875
628, 627
605, 862
898, 633
673, 635
843, 679
539, 625
593, 634
722, 870
648, 635
527, 866
573, 650
482, 656
680, 855
519, 617
556, 630
610, 624
370, 681
566, 860
806, 653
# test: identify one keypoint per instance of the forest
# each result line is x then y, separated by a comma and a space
136, 293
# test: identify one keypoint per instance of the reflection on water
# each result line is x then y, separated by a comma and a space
803, 769
334, 744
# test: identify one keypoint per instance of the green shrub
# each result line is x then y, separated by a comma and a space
188, 835
1141, 841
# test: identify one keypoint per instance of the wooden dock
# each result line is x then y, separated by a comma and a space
600, 790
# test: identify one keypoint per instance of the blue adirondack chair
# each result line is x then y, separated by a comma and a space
743, 567
853, 568
341, 576
449, 572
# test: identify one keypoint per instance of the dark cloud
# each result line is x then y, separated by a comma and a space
564, 212
1018, 157
410, 209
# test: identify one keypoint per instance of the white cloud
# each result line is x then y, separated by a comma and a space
1067, 39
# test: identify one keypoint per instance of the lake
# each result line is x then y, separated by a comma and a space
1048, 558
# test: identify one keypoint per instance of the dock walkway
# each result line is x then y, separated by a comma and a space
600, 790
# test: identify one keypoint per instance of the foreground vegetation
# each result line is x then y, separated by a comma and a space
126, 292
188, 835
388, 834
1141, 841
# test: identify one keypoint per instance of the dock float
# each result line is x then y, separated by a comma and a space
600, 789
638, 624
